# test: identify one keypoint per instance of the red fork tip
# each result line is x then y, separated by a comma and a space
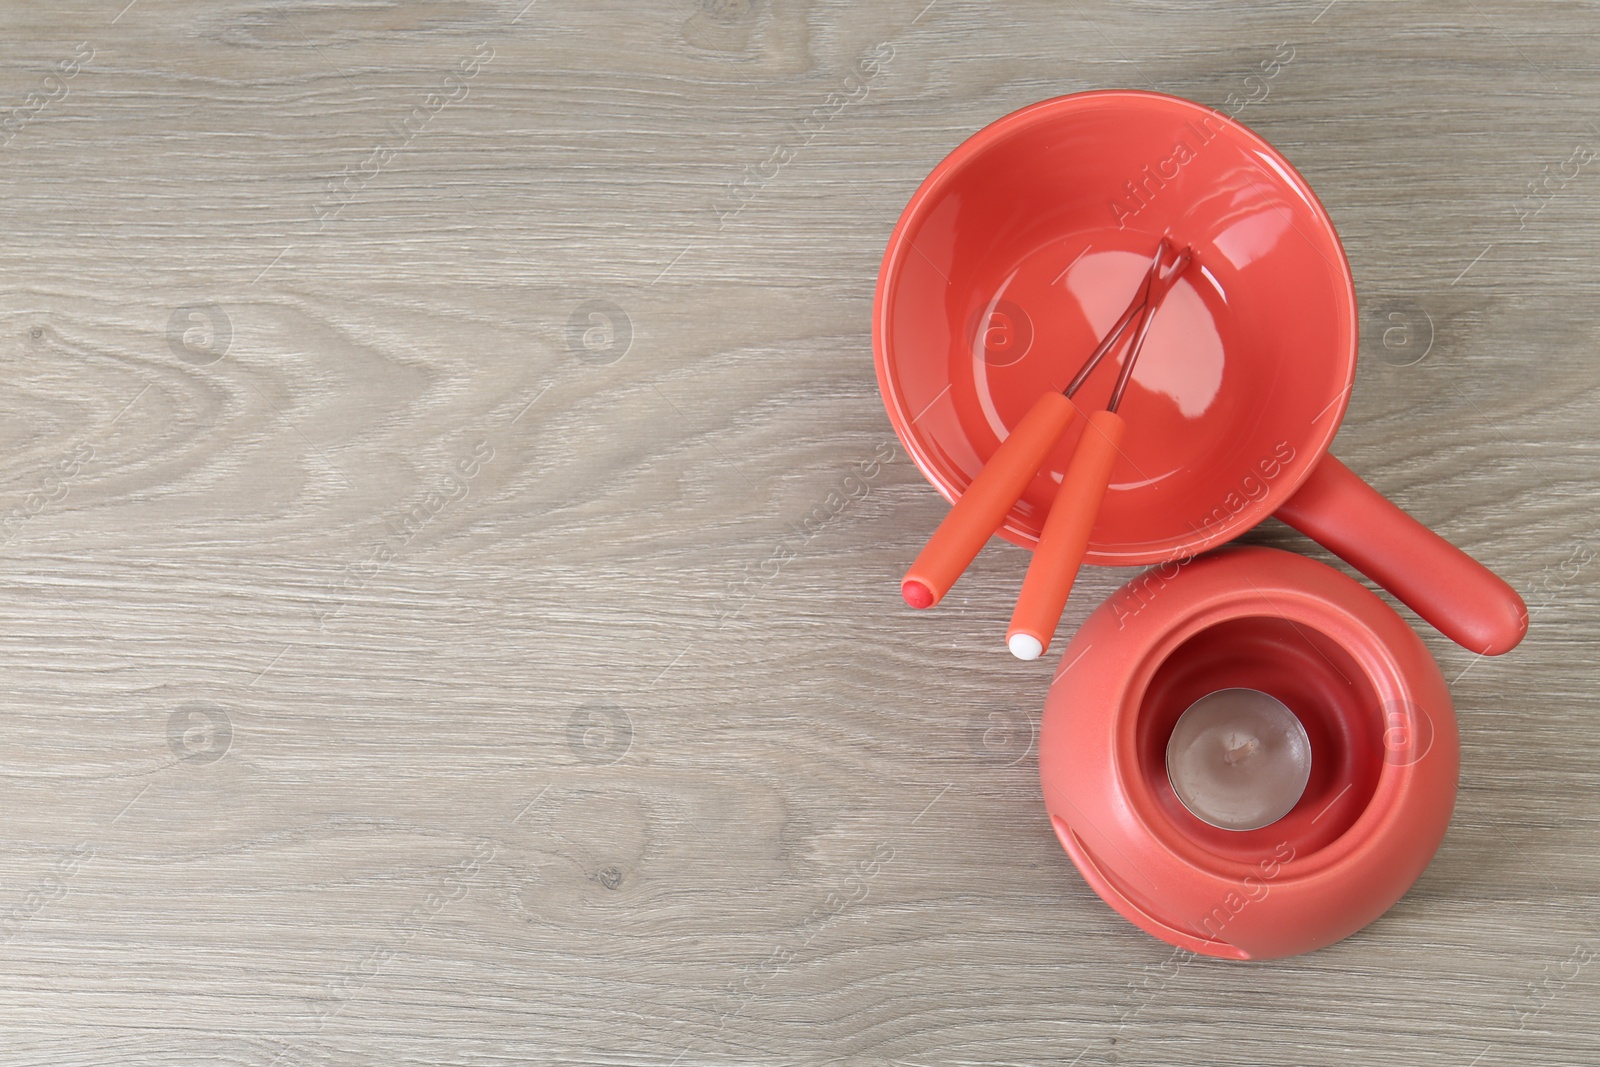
916, 593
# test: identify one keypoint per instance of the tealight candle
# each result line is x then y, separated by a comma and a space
1239, 759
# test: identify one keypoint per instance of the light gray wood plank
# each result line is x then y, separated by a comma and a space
557, 781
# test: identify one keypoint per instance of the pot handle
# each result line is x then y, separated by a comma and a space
1459, 596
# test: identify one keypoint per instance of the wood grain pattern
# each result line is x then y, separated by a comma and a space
396, 673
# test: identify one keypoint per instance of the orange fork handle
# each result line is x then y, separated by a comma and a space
1065, 537
980, 510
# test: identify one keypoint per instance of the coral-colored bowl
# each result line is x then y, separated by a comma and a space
1385, 753
1024, 245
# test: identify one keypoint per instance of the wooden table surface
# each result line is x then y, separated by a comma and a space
443, 621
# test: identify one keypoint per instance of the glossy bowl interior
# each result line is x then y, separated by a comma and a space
1026, 243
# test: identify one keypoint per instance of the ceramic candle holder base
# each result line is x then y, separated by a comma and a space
1384, 753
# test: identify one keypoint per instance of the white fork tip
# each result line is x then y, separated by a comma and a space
1024, 646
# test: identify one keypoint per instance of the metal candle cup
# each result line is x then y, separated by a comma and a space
1239, 759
